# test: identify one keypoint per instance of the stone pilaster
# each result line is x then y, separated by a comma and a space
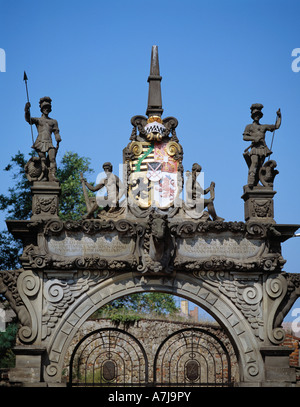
278, 372
28, 369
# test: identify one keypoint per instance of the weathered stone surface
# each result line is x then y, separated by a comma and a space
223, 245
78, 244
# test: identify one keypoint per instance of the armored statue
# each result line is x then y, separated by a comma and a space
256, 133
114, 188
44, 168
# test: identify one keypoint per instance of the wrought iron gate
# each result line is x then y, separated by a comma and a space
192, 357
113, 357
108, 356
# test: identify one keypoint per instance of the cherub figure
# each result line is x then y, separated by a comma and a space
194, 193
114, 188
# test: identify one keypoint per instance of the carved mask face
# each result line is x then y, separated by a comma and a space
159, 228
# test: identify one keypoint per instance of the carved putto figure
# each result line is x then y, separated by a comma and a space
114, 188
195, 192
45, 169
256, 133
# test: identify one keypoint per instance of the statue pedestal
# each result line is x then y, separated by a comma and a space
278, 372
259, 206
45, 200
28, 370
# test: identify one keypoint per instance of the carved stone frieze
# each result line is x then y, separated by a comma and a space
234, 246
258, 296
84, 244
245, 291
124, 244
60, 293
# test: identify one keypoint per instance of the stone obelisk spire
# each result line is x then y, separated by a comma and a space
154, 97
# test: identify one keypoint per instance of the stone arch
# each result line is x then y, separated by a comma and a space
251, 366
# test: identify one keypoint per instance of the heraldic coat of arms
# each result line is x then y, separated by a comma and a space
154, 165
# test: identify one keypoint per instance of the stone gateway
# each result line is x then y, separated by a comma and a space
152, 232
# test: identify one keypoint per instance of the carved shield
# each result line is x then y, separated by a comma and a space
154, 173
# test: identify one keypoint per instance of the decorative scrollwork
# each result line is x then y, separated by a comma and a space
125, 226
53, 226
51, 370
170, 124
278, 334
138, 122
257, 229
190, 228
252, 294
28, 285
136, 148
54, 292
173, 148
252, 369
274, 287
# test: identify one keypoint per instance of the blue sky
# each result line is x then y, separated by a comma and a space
216, 59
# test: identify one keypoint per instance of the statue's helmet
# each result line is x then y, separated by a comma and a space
45, 101
256, 110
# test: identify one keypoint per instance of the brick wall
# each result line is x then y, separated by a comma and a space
292, 342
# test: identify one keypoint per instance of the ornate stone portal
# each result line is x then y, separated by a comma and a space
153, 232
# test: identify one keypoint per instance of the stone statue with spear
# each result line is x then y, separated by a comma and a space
43, 144
256, 132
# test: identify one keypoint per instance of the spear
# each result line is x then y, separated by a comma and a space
274, 132
272, 141
25, 79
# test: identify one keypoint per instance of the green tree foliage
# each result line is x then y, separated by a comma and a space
140, 303
7, 342
72, 203
17, 204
